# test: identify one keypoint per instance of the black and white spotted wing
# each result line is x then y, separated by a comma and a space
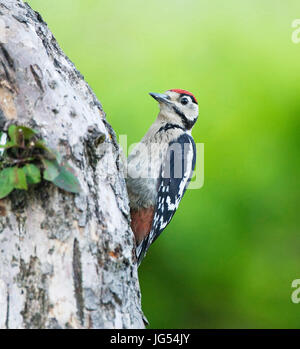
175, 175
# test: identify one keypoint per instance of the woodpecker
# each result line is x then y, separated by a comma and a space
160, 167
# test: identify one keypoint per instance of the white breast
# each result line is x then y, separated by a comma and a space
144, 165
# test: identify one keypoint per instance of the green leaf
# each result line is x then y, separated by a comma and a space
53, 155
19, 178
7, 145
6, 185
67, 181
19, 133
33, 173
28, 133
51, 169
57, 155
42, 145
13, 134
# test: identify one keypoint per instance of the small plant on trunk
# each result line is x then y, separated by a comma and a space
27, 160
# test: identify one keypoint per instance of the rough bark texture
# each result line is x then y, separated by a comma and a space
66, 260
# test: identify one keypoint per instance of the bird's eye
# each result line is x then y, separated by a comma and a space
184, 100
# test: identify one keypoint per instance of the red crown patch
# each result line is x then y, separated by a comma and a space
178, 90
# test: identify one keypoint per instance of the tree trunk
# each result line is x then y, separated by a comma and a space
66, 260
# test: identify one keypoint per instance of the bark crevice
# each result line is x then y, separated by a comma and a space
77, 277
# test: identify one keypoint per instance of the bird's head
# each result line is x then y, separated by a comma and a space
178, 106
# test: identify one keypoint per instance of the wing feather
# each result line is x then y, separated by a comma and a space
175, 175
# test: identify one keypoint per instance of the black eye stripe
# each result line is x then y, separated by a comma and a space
188, 124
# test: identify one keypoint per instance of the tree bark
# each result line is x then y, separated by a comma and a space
66, 260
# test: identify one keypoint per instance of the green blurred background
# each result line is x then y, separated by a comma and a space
229, 256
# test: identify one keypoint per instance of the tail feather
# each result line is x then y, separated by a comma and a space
141, 250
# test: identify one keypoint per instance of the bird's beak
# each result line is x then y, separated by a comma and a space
160, 97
